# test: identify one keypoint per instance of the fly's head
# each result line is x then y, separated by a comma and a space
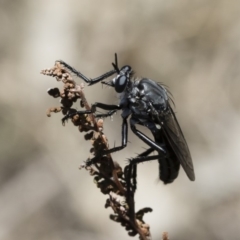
121, 81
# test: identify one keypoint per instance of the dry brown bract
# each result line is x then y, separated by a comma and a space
108, 175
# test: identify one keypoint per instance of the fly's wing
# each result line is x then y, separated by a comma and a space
176, 140
158, 95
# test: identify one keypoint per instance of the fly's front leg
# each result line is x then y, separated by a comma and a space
86, 79
108, 114
94, 80
112, 109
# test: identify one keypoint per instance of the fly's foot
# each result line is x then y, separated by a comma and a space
93, 108
88, 162
69, 115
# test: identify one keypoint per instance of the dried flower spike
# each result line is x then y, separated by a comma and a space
108, 174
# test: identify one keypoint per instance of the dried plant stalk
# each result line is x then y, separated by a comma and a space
108, 175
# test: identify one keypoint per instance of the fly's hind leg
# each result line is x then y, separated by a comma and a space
131, 169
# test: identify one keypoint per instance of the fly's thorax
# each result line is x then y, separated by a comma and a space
144, 99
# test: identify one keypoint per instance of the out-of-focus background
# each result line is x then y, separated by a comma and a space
191, 46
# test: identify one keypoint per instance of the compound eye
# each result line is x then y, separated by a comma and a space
122, 80
120, 83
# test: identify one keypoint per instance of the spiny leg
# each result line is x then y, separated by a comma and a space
168, 163
103, 115
131, 169
112, 109
94, 80
115, 149
144, 138
143, 156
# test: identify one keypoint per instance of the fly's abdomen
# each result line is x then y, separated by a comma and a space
168, 164
168, 169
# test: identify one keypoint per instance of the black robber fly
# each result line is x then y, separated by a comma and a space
147, 103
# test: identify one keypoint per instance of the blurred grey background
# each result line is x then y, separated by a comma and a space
193, 46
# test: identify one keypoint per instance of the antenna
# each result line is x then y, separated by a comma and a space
115, 65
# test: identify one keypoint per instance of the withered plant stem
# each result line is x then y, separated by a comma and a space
108, 174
